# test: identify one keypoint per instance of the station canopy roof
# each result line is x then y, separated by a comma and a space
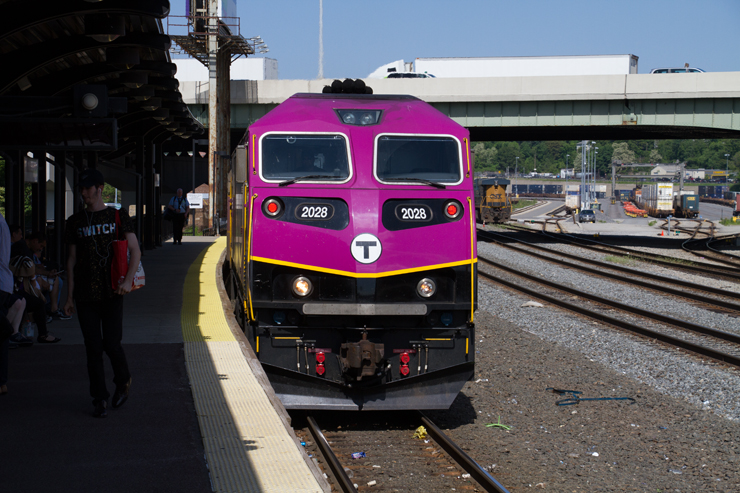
93, 75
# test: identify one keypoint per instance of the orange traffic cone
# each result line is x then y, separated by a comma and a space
662, 233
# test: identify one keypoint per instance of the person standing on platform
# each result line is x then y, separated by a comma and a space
6, 288
180, 206
89, 236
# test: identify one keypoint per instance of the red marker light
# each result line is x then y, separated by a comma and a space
452, 210
405, 358
404, 370
320, 357
320, 370
272, 207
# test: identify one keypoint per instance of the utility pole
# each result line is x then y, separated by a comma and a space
213, 38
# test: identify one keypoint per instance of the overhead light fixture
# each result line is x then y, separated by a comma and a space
151, 104
134, 80
161, 114
104, 28
89, 101
24, 84
123, 57
141, 94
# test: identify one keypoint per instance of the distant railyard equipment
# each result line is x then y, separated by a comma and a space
686, 204
492, 205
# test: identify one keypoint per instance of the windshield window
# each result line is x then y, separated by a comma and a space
290, 156
435, 159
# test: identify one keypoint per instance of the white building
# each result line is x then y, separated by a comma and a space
191, 70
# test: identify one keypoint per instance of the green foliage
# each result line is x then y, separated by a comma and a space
109, 194
621, 152
485, 156
550, 156
522, 203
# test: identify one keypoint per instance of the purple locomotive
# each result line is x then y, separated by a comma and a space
352, 251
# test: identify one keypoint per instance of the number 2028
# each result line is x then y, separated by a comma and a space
413, 213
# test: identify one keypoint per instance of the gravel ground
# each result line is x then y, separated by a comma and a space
680, 435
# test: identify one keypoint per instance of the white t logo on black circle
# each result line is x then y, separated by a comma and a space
366, 248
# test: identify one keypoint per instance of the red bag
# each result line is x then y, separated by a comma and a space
119, 265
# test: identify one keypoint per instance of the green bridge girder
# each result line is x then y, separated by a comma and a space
681, 118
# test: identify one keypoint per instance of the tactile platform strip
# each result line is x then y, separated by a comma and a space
247, 446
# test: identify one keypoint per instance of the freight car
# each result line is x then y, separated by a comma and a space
657, 199
492, 205
686, 204
352, 251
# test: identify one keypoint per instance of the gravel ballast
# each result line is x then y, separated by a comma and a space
681, 434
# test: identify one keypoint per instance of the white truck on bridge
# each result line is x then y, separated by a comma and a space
528, 66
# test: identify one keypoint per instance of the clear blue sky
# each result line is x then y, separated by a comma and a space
360, 36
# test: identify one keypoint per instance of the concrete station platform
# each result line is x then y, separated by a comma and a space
201, 416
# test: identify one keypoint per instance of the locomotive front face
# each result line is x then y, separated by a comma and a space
361, 255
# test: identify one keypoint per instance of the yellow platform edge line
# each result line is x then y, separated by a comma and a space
247, 447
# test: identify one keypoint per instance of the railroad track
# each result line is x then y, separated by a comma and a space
715, 344
731, 301
702, 247
384, 454
723, 271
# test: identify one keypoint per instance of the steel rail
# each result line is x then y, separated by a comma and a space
484, 479
717, 239
697, 267
651, 334
336, 467
626, 270
715, 255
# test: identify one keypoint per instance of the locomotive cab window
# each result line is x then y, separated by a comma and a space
288, 158
409, 158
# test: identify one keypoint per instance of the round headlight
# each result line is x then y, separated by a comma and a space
426, 288
302, 286
367, 119
349, 118
453, 209
272, 207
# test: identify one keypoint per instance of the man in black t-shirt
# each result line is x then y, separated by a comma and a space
89, 236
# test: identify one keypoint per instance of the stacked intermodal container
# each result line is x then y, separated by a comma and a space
657, 199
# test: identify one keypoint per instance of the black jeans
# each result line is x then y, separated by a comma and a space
102, 328
178, 221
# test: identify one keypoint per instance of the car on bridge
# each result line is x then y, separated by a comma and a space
682, 70
409, 75
586, 216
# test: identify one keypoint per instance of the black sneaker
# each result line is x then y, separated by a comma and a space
21, 340
101, 409
61, 315
121, 394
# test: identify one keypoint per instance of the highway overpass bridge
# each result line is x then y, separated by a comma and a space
638, 106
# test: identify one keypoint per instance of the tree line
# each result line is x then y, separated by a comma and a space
551, 156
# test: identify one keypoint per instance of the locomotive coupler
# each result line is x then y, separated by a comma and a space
361, 359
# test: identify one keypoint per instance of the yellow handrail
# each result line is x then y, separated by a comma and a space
467, 154
254, 137
472, 261
249, 258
